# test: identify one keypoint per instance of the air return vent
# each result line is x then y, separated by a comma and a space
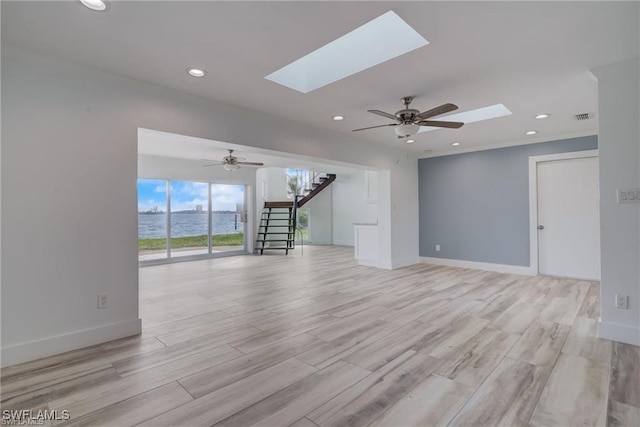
583, 116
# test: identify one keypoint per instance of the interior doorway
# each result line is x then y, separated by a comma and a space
565, 215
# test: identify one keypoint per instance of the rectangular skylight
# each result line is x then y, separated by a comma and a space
477, 115
375, 42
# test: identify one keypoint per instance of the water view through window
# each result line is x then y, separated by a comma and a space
201, 218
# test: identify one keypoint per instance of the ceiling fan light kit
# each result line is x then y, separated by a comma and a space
406, 130
231, 166
409, 120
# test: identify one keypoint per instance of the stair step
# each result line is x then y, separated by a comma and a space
278, 204
276, 247
274, 240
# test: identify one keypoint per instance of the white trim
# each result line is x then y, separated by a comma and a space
32, 350
368, 263
394, 263
487, 266
404, 262
618, 332
385, 264
533, 197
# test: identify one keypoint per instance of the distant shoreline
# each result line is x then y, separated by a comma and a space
187, 212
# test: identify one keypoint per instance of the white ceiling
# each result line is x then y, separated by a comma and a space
533, 57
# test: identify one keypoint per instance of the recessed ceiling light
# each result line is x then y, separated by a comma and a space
338, 118
542, 116
94, 4
455, 144
381, 39
196, 72
472, 116
410, 141
531, 132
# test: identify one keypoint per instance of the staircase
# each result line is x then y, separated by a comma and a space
316, 187
277, 227
278, 223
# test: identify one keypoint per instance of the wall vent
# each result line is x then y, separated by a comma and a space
583, 116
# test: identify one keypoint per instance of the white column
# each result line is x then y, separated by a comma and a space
619, 147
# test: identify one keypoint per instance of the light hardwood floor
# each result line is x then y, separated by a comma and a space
315, 340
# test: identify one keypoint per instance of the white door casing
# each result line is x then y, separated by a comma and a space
564, 200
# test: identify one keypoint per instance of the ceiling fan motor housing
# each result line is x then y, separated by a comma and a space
407, 115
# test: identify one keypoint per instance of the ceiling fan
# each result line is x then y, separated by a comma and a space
409, 120
231, 162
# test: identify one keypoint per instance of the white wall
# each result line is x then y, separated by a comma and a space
275, 180
271, 185
619, 142
191, 170
350, 206
321, 217
69, 138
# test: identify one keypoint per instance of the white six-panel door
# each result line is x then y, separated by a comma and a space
569, 218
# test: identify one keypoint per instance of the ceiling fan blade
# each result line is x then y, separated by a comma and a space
444, 108
250, 163
383, 114
452, 125
373, 127
211, 162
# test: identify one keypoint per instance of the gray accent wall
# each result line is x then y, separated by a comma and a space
476, 205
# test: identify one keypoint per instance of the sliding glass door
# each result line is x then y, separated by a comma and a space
152, 219
228, 204
189, 218
184, 219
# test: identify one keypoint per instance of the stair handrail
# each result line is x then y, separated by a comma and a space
295, 214
308, 183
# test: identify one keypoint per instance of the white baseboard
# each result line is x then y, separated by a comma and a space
338, 242
618, 332
384, 264
487, 266
32, 350
397, 263
404, 262
368, 262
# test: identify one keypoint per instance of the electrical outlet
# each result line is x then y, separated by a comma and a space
437, 248
629, 195
622, 301
103, 301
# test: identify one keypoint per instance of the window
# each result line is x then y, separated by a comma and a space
298, 181
189, 218
200, 218
152, 219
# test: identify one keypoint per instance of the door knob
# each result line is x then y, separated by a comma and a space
541, 227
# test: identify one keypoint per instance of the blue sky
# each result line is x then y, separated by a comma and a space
187, 195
